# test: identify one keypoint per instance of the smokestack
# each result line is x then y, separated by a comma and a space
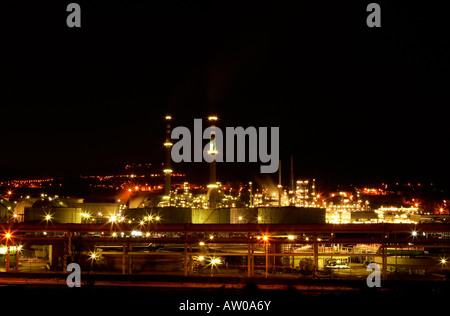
251, 194
212, 166
168, 165
279, 183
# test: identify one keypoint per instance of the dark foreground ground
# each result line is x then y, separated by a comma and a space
290, 297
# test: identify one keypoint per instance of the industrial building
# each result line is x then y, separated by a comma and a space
261, 215
49, 210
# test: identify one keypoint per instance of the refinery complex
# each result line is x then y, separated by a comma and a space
147, 221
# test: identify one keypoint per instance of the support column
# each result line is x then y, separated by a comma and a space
316, 258
185, 261
384, 262
67, 255
186, 257
266, 244
54, 254
252, 264
190, 260
124, 258
16, 261
249, 256
130, 260
277, 260
7, 259
69, 245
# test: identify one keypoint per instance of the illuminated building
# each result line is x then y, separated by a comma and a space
48, 210
302, 193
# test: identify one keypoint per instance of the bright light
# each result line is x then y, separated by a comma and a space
12, 249
240, 218
168, 117
136, 233
201, 258
215, 261
265, 238
113, 218
443, 261
201, 243
414, 233
211, 237
212, 118
291, 237
48, 217
8, 235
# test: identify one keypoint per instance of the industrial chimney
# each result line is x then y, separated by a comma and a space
212, 186
168, 165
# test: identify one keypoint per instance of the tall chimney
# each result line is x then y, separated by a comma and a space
168, 165
279, 183
212, 186
251, 194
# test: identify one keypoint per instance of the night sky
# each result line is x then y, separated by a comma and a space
353, 103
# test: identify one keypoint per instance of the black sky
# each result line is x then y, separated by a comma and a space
351, 102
